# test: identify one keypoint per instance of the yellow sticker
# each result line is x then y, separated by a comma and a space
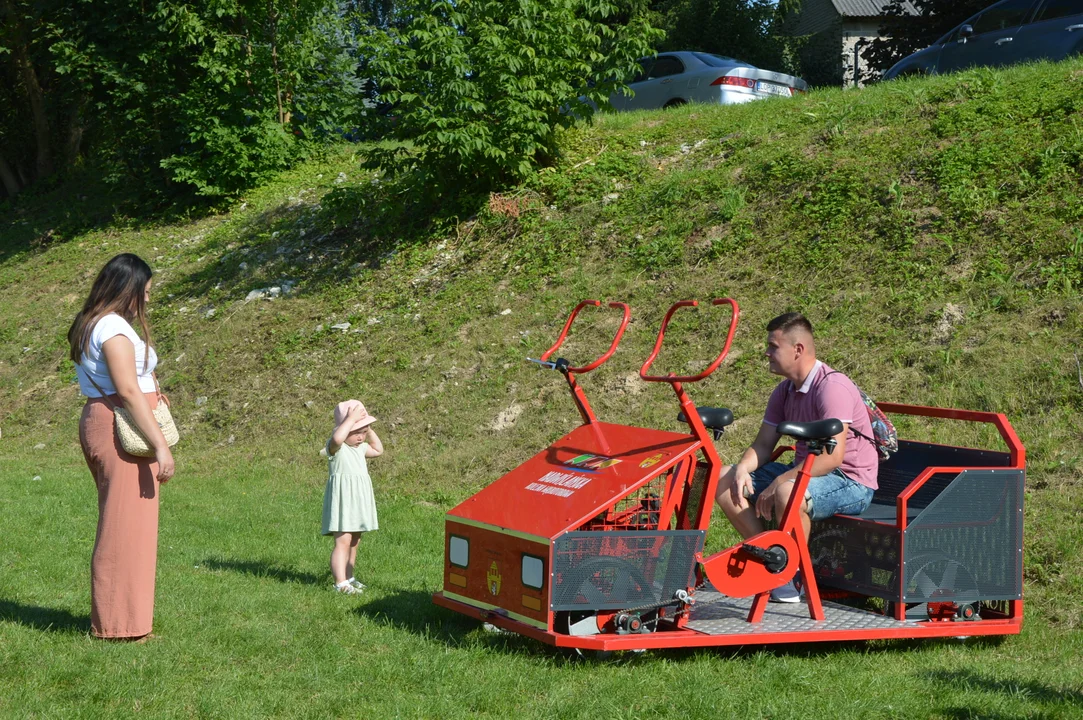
493, 576
652, 460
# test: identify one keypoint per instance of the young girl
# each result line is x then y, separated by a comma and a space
349, 507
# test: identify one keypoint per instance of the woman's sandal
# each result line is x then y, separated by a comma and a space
137, 639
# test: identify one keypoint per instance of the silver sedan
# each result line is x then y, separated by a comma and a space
676, 78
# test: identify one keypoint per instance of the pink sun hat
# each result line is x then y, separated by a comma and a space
343, 409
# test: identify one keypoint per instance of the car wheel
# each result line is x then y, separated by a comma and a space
675, 102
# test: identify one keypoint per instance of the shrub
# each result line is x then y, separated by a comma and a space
481, 86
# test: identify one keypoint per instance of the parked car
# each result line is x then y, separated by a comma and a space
676, 78
1009, 32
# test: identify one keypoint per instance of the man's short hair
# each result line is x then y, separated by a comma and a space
788, 322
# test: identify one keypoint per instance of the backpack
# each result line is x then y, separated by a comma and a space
884, 437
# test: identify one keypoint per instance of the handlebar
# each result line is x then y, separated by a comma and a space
564, 334
671, 378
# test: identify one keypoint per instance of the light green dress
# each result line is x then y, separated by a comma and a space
348, 502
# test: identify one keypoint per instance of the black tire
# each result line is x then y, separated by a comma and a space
675, 102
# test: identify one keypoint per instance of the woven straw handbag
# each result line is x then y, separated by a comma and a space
131, 438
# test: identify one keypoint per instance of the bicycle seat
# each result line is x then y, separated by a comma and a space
818, 430
713, 418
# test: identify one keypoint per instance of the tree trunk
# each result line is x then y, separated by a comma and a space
7, 178
73, 147
44, 165
272, 16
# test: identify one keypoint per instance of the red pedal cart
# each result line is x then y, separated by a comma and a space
596, 542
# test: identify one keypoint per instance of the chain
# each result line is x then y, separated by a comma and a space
684, 605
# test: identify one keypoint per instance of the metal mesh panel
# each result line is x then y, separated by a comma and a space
616, 570
858, 556
968, 543
639, 510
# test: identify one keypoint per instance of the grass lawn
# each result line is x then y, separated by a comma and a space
249, 626
929, 228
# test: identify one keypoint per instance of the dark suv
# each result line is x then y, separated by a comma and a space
1009, 32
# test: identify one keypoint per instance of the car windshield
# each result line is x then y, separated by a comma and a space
717, 60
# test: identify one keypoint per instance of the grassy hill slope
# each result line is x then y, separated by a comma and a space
930, 229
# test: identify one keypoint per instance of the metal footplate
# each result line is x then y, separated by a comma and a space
717, 614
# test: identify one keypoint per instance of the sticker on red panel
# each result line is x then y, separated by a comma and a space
493, 577
652, 460
559, 484
591, 462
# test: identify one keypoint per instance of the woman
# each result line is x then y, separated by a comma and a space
115, 366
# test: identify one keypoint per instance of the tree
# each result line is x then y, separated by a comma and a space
206, 97
39, 125
480, 87
903, 33
744, 29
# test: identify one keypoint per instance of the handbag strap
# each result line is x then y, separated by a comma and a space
157, 388
98, 388
160, 396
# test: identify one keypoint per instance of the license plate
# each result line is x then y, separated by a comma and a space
772, 89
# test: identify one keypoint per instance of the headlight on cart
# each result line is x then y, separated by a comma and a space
533, 572
459, 551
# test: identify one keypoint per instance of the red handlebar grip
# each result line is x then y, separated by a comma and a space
612, 348
671, 378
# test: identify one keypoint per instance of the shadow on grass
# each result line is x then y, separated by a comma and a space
64, 208
318, 241
1028, 691
259, 568
814, 649
43, 618
415, 612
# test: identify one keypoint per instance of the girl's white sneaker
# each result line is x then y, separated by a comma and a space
347, 589
357, 584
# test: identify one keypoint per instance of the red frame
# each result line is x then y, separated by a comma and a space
1017, 461
632, 444
578, 396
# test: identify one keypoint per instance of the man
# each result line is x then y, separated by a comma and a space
755, 489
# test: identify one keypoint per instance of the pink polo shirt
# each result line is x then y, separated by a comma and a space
828, 394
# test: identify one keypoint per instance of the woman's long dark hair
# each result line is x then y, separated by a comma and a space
119, 288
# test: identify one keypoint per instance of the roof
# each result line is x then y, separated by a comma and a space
868, 8
818, 15
559, 489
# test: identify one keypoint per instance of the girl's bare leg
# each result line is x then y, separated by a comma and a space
355, 538
340, 556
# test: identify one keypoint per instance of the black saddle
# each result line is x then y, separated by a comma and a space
713, 418
819, 430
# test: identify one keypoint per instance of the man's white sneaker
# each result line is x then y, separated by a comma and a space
786, 594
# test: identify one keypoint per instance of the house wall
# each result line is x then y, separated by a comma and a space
828, 41
820, 57
854, 32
